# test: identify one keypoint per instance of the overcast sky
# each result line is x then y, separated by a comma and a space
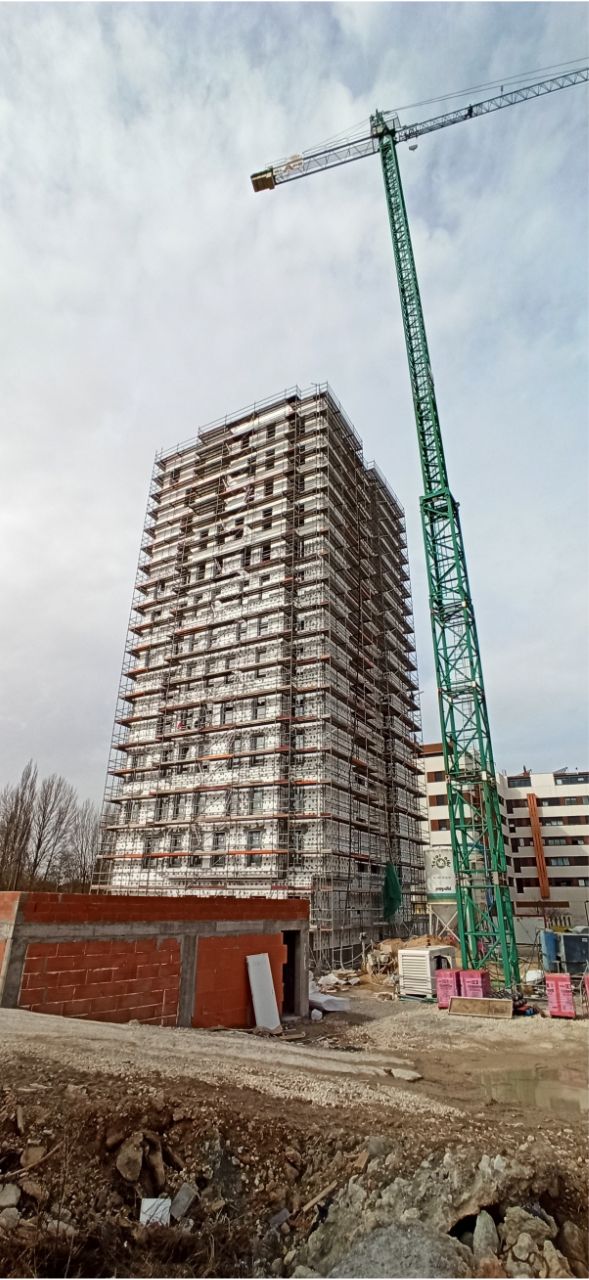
146, 291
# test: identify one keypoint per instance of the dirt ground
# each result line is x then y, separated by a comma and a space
261, 1124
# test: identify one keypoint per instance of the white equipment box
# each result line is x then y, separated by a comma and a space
418, 967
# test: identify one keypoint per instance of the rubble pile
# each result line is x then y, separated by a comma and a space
147, 1184
454, 1217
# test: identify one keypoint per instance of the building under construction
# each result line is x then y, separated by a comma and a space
267, 724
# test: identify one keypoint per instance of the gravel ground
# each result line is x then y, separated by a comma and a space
275, 1067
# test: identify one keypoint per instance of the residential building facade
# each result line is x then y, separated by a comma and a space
267, 727
545, 818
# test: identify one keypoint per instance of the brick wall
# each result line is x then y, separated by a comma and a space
67, 908
222, 996
104, 981
113, 959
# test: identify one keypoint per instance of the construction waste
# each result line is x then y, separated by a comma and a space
457, 1216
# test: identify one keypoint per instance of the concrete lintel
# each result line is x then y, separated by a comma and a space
150, 929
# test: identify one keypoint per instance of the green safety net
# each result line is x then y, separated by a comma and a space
391, 892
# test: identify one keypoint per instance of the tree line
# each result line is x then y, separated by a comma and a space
48, 837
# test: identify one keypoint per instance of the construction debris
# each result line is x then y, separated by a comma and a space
155, 1212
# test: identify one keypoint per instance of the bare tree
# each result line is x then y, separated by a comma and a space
53, 818
78, 865
17, 811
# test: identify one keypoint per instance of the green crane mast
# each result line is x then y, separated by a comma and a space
484, 912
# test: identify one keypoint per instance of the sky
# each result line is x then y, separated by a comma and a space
145, 291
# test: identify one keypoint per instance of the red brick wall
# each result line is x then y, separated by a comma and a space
104, 981
222, 996
83, 908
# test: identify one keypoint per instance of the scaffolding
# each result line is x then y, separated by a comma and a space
267, 724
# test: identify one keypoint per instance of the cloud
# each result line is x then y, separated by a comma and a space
145, 291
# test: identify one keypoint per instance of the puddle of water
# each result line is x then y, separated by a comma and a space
563, 1092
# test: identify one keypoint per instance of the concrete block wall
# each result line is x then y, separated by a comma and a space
165, 961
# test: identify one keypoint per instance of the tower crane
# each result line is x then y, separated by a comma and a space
484, 912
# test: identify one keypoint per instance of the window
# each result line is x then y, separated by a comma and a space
271, 431
227, 712
219, 839
571, 779
218, 860
256, 799
437, 776
254, 838
200, 572
245, 442
175, 475
246, 557
523, 780
266, 552
270, 459
263, 625
267, 518
268, 488
249, 859
258, 708
194, 860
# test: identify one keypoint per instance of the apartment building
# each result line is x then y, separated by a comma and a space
267, 726
546, 831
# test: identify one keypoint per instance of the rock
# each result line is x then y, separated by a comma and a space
294, 1157
316, 1016
183, 1200
404, 1250
405, 1073
305, 1271
277, 1267
130, 1158
278, 1218
518, 1220
31, 1154
32, 1189
9, 1218
154, 1162
524, 1248
490, 1267
573, 1243
379, 1145
115, 1134
60, 1213
61, 1228
9, 1195
485, 1238
466, 1238
555, 1261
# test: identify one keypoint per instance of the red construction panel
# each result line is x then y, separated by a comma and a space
475, 983
559, 992
447, 985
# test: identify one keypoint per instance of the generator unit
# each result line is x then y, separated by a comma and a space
418, 967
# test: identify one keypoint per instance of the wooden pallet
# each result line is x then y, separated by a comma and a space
481, 1007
